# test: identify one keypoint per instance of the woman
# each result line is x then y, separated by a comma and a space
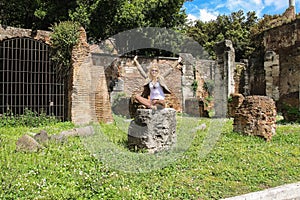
155, 86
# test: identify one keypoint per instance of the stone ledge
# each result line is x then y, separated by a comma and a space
284, 192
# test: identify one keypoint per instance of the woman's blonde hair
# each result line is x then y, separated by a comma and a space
151, 68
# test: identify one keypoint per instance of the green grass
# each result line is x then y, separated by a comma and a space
237, 164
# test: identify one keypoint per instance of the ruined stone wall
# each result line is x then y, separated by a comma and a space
289, 69
282, 68
133, 81
89, 99
269, 66
272, 72
224, 73
256, 72
205, 72
11, 32
282, 36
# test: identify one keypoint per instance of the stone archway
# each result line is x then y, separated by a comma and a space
28, 80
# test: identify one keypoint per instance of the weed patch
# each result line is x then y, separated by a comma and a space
236, 165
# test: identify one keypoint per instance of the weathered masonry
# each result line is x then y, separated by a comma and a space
275, 72
27, 78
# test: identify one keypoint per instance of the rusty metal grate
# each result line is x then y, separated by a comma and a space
27, 79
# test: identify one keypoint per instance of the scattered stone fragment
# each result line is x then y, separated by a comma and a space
41, 137
27, 144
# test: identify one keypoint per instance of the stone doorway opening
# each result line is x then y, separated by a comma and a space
28, 80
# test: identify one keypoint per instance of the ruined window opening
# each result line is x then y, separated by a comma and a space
27, 79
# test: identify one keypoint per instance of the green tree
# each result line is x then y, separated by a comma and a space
34, 14
64, 37
100, 18
114, 16
235, 27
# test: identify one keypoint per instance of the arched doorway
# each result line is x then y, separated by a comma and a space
27, 79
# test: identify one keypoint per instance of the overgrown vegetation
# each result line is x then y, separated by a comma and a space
237, 164
290, 113
29, 119
100, 18
64, 37
103, 19
194, 87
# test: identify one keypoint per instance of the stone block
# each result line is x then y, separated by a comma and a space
192, 107
256, 116
153, 130
27, 144
41, 137
121, 107
236, 100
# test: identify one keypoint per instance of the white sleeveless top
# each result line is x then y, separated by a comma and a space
156, 91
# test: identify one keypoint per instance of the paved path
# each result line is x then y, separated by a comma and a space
284, 192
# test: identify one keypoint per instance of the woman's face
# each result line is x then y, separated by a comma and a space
154, 72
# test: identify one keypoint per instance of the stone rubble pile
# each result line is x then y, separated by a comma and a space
256, 116
26, 143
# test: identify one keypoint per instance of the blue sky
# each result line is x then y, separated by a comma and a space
206, 10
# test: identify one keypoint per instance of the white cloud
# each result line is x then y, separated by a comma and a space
234, 5
210, 9
206, 15
203, 15
192, 18
257, 5
278, 5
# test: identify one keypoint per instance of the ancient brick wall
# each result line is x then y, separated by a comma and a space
285, 41
133, 81
282, 36
11, 32
89, 97
289, 59
282, 72
256, 116
272, 72
269, 74
205, 72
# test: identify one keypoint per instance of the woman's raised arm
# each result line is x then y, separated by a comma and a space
141, 70
176, 64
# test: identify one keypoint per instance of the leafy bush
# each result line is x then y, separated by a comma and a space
291, 113
64, 37
28, 119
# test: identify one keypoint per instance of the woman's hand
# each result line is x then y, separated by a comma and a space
179, 59
179, 63
135, 59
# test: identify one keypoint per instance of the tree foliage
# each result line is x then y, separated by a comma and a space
64, 37
104, 18
100, 18
235, 27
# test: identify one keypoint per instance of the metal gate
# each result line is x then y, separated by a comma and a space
27, 79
